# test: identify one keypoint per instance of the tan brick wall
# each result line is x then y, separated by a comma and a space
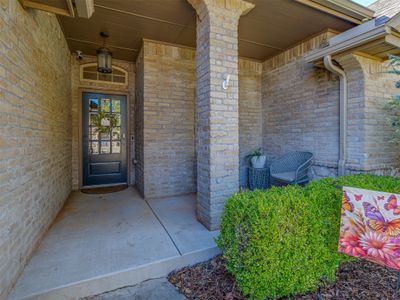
35, 132
369, 135
301, 109
78, 87
166, 116
250, 113
217, 109
168, 89
139, 117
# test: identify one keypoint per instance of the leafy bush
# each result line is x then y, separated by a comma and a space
283, 241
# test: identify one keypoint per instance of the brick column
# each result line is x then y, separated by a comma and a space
217, 109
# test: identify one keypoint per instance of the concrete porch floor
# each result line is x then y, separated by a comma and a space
103, 242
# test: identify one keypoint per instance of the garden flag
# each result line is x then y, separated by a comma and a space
370, 226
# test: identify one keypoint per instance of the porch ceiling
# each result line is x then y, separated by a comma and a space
272, 26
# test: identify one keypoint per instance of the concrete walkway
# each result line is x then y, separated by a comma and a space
104, 242
156, 289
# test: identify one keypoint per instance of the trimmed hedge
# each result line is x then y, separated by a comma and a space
283, 241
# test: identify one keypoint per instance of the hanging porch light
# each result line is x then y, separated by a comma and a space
104, 57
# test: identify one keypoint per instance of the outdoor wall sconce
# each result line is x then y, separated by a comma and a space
104, 57
225, 83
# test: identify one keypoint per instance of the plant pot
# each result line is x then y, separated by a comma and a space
258, 162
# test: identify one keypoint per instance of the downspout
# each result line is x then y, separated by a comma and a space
342, 113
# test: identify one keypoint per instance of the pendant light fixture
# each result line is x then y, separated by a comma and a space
104, 56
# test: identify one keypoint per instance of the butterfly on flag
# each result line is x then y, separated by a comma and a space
358, 197
376, 221
391, 204
346, 204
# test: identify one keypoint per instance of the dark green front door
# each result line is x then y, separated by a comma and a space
104, 139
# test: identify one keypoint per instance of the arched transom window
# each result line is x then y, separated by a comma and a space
88, 72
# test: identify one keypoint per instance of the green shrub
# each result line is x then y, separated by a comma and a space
283, 241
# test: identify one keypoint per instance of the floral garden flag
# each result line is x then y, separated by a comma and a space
370, 226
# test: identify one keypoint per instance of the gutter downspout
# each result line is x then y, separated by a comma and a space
342, 113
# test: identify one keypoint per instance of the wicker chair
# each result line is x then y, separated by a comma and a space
292, 168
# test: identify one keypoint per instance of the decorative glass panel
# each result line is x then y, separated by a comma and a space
91, 69
119, 79
89, 75
94, 135
105, 122
116, 133
116, 147
89, 72
105, 136
116, 105
118, 120
104, 77
105, 105
93, 104
118, 72
94, 147
105, 147
92, 118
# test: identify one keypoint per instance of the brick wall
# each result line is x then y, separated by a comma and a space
167, 151
165, 128
35, 132
250, 113
369, 135
139, 101
301, 110
78, 87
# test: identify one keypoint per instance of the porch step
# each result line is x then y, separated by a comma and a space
128, 277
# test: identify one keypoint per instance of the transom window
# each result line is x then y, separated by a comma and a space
88, 72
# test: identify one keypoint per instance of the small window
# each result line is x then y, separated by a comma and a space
89, 72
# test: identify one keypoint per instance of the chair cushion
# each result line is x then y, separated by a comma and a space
285, 176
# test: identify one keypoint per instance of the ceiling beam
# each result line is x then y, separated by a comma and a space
97, 44
48, 8
138, 15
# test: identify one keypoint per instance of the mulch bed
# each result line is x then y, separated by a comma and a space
355, 280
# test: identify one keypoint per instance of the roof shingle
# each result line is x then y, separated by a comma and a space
387, 8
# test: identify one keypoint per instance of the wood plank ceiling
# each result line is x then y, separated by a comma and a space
271, 27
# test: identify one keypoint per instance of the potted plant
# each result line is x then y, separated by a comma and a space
257, 159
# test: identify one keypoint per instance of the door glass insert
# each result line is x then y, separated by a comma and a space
104, 143
116, 134
116, 147
116, 106
105, 147
118, 119
94, 147
94, 104
105, 136
92, 118
94, 135
105, 105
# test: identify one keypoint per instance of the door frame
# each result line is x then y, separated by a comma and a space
80, 135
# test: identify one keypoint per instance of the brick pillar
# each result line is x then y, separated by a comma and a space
217, 109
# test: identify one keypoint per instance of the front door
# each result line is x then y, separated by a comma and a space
104, 139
